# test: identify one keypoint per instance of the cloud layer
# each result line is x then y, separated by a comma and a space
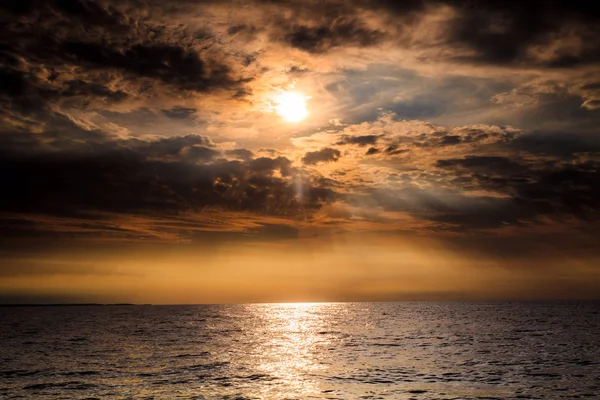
470, 123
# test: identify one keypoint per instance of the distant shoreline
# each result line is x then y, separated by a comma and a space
496, 302
72, 305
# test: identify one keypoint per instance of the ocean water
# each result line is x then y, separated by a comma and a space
302, 351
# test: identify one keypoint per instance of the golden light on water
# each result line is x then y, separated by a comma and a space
291, 106
292, 354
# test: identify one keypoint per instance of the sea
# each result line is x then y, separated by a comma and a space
405, 350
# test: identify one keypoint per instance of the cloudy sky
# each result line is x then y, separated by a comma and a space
193, 151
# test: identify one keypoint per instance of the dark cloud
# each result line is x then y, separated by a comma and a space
486, 164
591, 86
534, 32
161, 177
333, 33
81, 88
87, 54
520, 34
200, 154
190, 148
450, 140
175, 65
85, 12
569, 189
592, 104
428, 136
324, 155
179, 112
243, 154
394, 150
358, 140
263, 164
395, 8
12, 83
529, 188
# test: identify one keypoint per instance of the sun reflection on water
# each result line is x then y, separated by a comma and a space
296, 340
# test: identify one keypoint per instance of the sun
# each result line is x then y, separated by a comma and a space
291, 106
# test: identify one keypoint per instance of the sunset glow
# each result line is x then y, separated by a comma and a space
299, 151
291, 106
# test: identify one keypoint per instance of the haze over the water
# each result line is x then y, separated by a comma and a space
192, 151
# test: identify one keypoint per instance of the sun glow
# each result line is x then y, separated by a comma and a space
291, 106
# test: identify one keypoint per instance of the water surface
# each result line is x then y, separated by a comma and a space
300, 351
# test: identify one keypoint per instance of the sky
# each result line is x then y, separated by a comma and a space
204, 151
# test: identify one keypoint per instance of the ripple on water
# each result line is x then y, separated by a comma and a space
402, 351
